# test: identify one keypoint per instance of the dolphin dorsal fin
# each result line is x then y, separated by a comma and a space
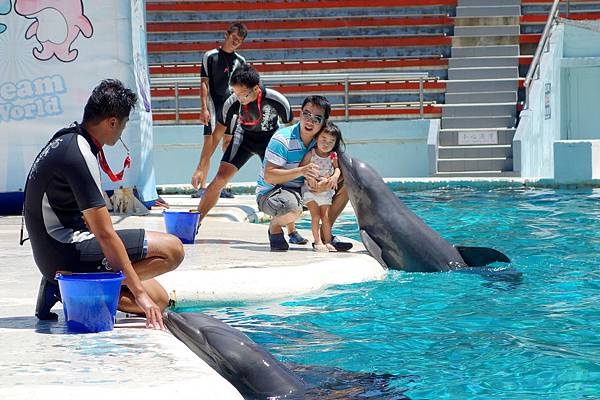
481, 256
372, 247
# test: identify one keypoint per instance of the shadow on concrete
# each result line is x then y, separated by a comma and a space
227, 241
264, 248
32, 323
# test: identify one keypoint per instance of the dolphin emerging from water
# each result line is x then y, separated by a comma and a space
394, 235
253, 371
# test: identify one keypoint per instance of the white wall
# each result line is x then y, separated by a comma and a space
540, 123
567, 110
581, 79
396, 148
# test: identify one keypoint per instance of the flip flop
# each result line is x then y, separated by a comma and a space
320, 248
161, 203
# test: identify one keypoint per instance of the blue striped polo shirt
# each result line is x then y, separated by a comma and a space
286, 150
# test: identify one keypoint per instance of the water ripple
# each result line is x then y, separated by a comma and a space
527, 332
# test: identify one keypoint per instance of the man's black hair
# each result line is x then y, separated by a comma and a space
334, 130
109, 99
319, 101
238, 27
245, 75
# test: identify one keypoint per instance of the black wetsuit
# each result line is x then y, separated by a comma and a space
64, 181
217, 66
252, 126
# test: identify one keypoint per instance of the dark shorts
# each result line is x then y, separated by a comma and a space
238, 153
87, 256
214, 111
280, 201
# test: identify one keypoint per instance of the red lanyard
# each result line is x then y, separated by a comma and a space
257, 120
104, 164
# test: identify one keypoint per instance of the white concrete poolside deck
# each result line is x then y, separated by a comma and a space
229, 261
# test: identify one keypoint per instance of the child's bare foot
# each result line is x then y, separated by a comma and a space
330, 247
321, 248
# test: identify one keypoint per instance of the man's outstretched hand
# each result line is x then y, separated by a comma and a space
198, 179
153, 313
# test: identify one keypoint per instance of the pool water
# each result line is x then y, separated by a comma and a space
456, 335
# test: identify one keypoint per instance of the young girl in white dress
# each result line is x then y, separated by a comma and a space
324, 155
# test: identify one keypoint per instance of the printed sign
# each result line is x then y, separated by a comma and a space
547, 92
52, 54
477, 137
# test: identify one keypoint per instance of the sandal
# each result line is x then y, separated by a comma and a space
296, 238
330, 247
339, 245
160, 202
199, 193
277, 242
320, 248
226, 194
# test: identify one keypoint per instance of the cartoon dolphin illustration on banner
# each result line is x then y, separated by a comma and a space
57, 24
5, 8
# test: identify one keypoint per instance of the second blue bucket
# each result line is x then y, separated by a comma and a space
90, 300
183, 224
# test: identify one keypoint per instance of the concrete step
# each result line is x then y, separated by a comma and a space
482, 21
450, 137
481, 97
488, 11
483, 73
487, 30
472, 62
485, 51
497, 40
507, 121
475, 152
475, 165
473, 3
479, 110
484, 85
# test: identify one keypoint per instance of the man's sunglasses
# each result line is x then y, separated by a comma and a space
316, 119
243, 97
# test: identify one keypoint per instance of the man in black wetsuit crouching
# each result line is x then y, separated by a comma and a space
68, 222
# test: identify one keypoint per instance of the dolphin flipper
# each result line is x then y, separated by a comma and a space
481, 256
372, 247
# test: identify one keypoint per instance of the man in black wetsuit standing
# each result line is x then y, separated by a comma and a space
215, 73
68, 222
251, 115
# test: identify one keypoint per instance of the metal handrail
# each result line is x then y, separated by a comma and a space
306, 78
535, 63
345, 79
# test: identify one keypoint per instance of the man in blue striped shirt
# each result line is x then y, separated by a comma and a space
281, 177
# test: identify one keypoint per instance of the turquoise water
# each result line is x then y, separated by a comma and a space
456, 335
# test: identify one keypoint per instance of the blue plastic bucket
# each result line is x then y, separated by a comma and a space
90, 300
183, 224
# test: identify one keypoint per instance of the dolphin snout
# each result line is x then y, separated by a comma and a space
345, 160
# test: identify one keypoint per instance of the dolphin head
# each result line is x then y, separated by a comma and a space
352, 170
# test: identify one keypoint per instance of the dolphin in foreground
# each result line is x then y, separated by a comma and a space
394, 235
253, 371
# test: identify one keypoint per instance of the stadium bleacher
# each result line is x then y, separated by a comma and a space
335, 36
300, 37
533, 18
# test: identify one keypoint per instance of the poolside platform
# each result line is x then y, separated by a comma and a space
230, 261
